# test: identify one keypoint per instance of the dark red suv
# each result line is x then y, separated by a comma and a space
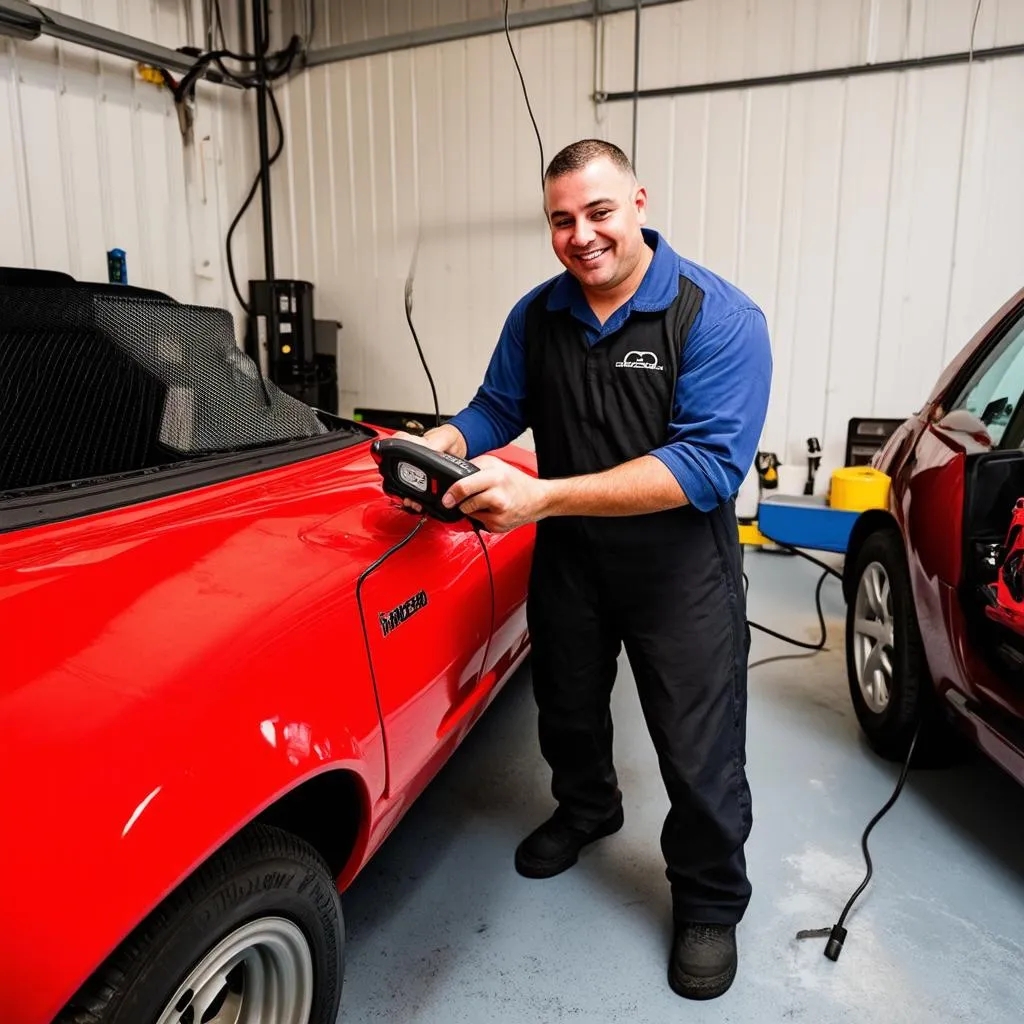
930, 640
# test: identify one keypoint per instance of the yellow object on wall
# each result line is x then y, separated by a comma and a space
150, 74
858, 488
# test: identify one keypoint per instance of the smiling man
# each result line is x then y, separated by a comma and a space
645, 379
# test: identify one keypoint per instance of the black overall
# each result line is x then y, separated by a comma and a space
667, 586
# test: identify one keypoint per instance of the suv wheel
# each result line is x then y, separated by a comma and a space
889, 680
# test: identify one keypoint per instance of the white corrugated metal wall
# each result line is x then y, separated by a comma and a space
876, 219
92, 158
436, 143
876, 224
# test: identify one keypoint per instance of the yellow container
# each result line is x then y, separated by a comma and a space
751, 535
858, 488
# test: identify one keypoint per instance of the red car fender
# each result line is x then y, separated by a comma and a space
170, 670
150, 829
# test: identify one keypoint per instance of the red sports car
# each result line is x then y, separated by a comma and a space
934, 588
230, 663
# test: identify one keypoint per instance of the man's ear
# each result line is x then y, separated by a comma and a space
640, 202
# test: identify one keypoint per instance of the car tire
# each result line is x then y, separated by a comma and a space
262, 917
890, 683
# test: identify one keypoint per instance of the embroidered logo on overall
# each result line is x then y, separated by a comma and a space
640, 361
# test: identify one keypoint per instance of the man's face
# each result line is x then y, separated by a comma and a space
595, 216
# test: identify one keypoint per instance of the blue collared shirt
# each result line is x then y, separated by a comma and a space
721, 396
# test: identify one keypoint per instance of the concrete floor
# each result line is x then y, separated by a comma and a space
441, 929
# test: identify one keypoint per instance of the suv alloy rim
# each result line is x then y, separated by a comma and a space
873, 636
262, 971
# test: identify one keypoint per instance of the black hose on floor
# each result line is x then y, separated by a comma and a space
836, 935
827, 570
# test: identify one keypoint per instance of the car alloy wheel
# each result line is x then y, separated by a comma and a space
256, 932
262, 971
873, 636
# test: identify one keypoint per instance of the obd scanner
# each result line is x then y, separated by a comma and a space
413, 471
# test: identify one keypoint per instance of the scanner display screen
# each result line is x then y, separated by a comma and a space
412, 476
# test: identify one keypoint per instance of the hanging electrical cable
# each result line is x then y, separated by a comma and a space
965, 120
526, 96
220, 25
310, 22
411, 276
249, 198
278, 66
415, 337
636, 72
270, 67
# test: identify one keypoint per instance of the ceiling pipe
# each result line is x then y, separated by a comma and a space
585, 11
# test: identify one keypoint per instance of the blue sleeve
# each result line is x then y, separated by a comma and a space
721, 401
496, 416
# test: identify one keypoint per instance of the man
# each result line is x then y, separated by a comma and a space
645, 379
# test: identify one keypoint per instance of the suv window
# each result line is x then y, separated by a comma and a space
995, 389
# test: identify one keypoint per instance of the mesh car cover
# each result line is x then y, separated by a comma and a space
93, 383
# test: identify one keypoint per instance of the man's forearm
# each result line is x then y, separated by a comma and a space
634, 488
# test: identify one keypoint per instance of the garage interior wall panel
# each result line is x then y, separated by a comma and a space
425, 153
92, 158
876, 219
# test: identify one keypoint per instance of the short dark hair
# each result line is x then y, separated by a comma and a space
577, 155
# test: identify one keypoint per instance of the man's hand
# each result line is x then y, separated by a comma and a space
444, 438
500, 496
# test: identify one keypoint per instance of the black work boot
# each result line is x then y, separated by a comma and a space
556, 845
703, 961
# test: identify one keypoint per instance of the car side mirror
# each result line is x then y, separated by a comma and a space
998, 407
961, 421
